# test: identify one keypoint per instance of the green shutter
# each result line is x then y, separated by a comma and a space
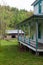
39, 7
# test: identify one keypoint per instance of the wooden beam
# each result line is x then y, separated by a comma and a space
18, 34
36, 37
24, 34
29, 32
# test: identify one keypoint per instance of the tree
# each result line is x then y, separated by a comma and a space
2, 29
13, 16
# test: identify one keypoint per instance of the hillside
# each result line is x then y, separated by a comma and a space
13, 16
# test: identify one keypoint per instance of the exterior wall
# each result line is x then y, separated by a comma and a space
41, 39
36, 9
8, 36
42, 7
42, 34
34, 37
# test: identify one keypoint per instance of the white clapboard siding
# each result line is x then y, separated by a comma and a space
42, 6
39, 40
36, 8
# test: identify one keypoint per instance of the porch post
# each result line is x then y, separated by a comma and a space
18, 33
24, 32
21, 33
36, 37
29, 33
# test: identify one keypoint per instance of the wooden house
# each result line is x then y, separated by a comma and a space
34, 24
38, 7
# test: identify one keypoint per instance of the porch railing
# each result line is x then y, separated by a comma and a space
24, 39
30, 42
27, 41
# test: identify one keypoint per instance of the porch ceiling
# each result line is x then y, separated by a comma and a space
33, 19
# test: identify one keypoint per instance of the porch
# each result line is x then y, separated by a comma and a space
31, 44
32, 28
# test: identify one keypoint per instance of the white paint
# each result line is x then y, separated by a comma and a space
30, 47
34, 37
39, 40
42, 6
36, 9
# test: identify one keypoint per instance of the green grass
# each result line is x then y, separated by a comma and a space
10, 55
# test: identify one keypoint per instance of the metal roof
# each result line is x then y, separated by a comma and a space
14, 31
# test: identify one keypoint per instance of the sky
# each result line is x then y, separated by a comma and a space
20, 4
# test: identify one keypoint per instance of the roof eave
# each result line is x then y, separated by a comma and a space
34, 2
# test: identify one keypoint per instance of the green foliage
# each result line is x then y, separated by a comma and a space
2, 29
13, 16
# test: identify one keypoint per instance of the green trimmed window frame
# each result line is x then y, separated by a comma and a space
39, 7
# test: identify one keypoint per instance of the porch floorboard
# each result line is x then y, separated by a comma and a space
33, 46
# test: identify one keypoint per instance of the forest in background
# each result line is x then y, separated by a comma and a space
12, 16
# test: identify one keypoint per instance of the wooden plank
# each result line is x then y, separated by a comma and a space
31, 47
28, 46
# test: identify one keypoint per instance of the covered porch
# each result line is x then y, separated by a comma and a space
33, 36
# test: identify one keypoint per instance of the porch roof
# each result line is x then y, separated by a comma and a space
34, 17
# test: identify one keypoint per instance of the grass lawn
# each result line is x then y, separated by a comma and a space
10, 55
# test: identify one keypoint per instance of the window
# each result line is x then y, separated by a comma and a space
39, 31
39, 7
42, 6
